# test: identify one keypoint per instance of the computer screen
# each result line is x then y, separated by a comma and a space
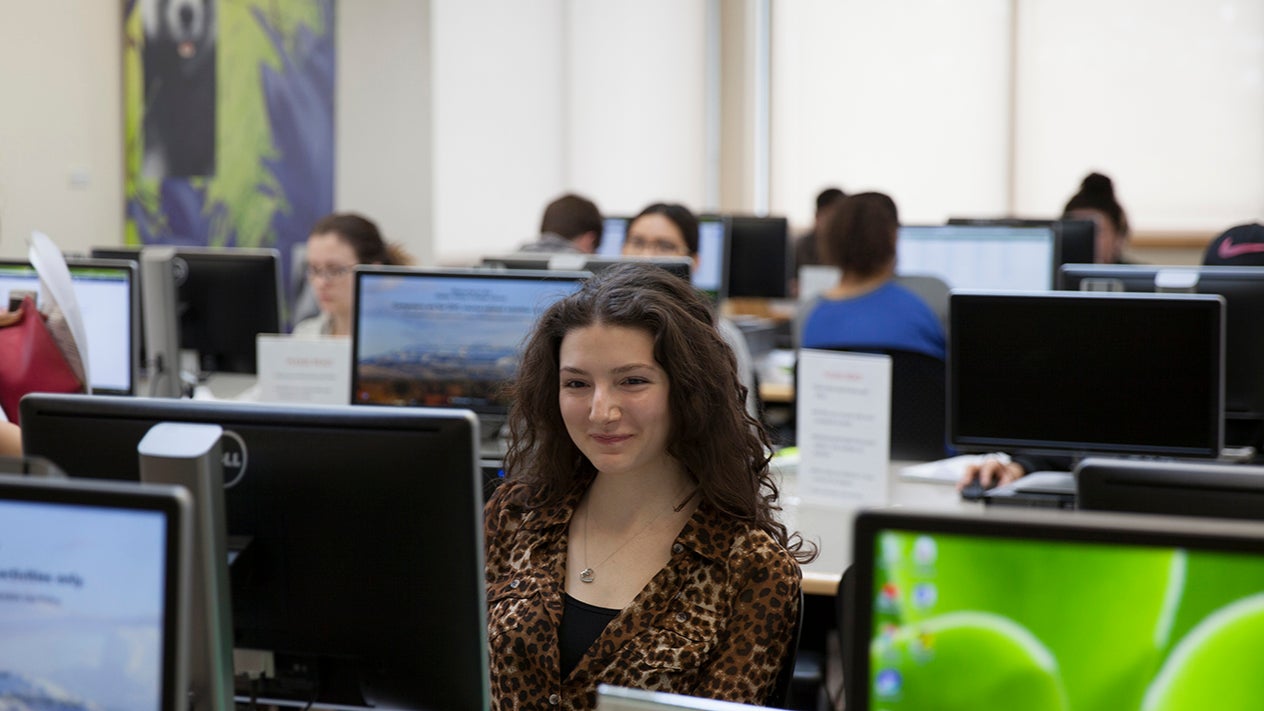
1180, 488
1073, 372
1243, 290
980, 257
711, 274
93, 595
227, 296
108, 292
335, 515
445, 337
1077, 239
614, 229
759, 257
1067, 610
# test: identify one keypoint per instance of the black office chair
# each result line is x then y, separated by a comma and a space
779, 697
918, 403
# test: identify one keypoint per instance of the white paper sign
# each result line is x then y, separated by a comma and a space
304, 370
843, 417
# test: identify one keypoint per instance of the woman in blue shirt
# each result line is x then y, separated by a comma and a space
866, 309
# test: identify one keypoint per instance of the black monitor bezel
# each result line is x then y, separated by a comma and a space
746, 276
1213, 418
262, 258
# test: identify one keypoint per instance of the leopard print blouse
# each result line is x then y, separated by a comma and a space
715, 622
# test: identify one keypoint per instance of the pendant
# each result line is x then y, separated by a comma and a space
586, 575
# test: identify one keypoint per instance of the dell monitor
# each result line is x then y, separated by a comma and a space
108, 293
980, 257
94, 587
446, 337
759, 257
226, 296
1077, 373
354, 534
1173, 487
1243, 291
1054, 610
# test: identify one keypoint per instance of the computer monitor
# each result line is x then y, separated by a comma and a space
446, 337
93, 594
1243, 290
108, 292
227, 296
759, 257
711, 274
1079, 373
1180, 488
1054, 610
980, 257
1077, 239
335, 515
680, 266
614, 229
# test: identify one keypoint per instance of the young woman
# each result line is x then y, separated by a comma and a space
1096, 201
338, 243
634, 541
867, 308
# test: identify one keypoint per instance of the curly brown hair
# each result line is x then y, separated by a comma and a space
721, 446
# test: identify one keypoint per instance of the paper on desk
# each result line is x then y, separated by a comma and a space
943, 471
844, 421
304, 370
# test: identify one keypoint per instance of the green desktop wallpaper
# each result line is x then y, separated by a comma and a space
963, 622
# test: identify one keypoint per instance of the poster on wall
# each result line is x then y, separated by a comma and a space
229, 121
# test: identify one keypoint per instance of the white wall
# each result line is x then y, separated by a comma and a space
1165, 97
636, 92
382, 125
903, 97
912, 97
61, 128
603, 97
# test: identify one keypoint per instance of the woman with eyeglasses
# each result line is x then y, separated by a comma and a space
671, 230
337, 244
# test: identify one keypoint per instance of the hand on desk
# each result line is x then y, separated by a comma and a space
991, 472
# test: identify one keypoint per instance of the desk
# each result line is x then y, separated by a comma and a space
830, 527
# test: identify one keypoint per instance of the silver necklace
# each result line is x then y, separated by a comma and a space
587, 575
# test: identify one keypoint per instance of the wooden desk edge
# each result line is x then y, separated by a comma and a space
820, 583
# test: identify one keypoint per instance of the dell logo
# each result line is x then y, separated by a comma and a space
234, 458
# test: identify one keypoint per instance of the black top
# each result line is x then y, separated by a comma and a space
581, 625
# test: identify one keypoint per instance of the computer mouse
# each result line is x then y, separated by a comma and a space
975, 490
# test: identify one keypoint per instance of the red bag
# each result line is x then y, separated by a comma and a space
30, 360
